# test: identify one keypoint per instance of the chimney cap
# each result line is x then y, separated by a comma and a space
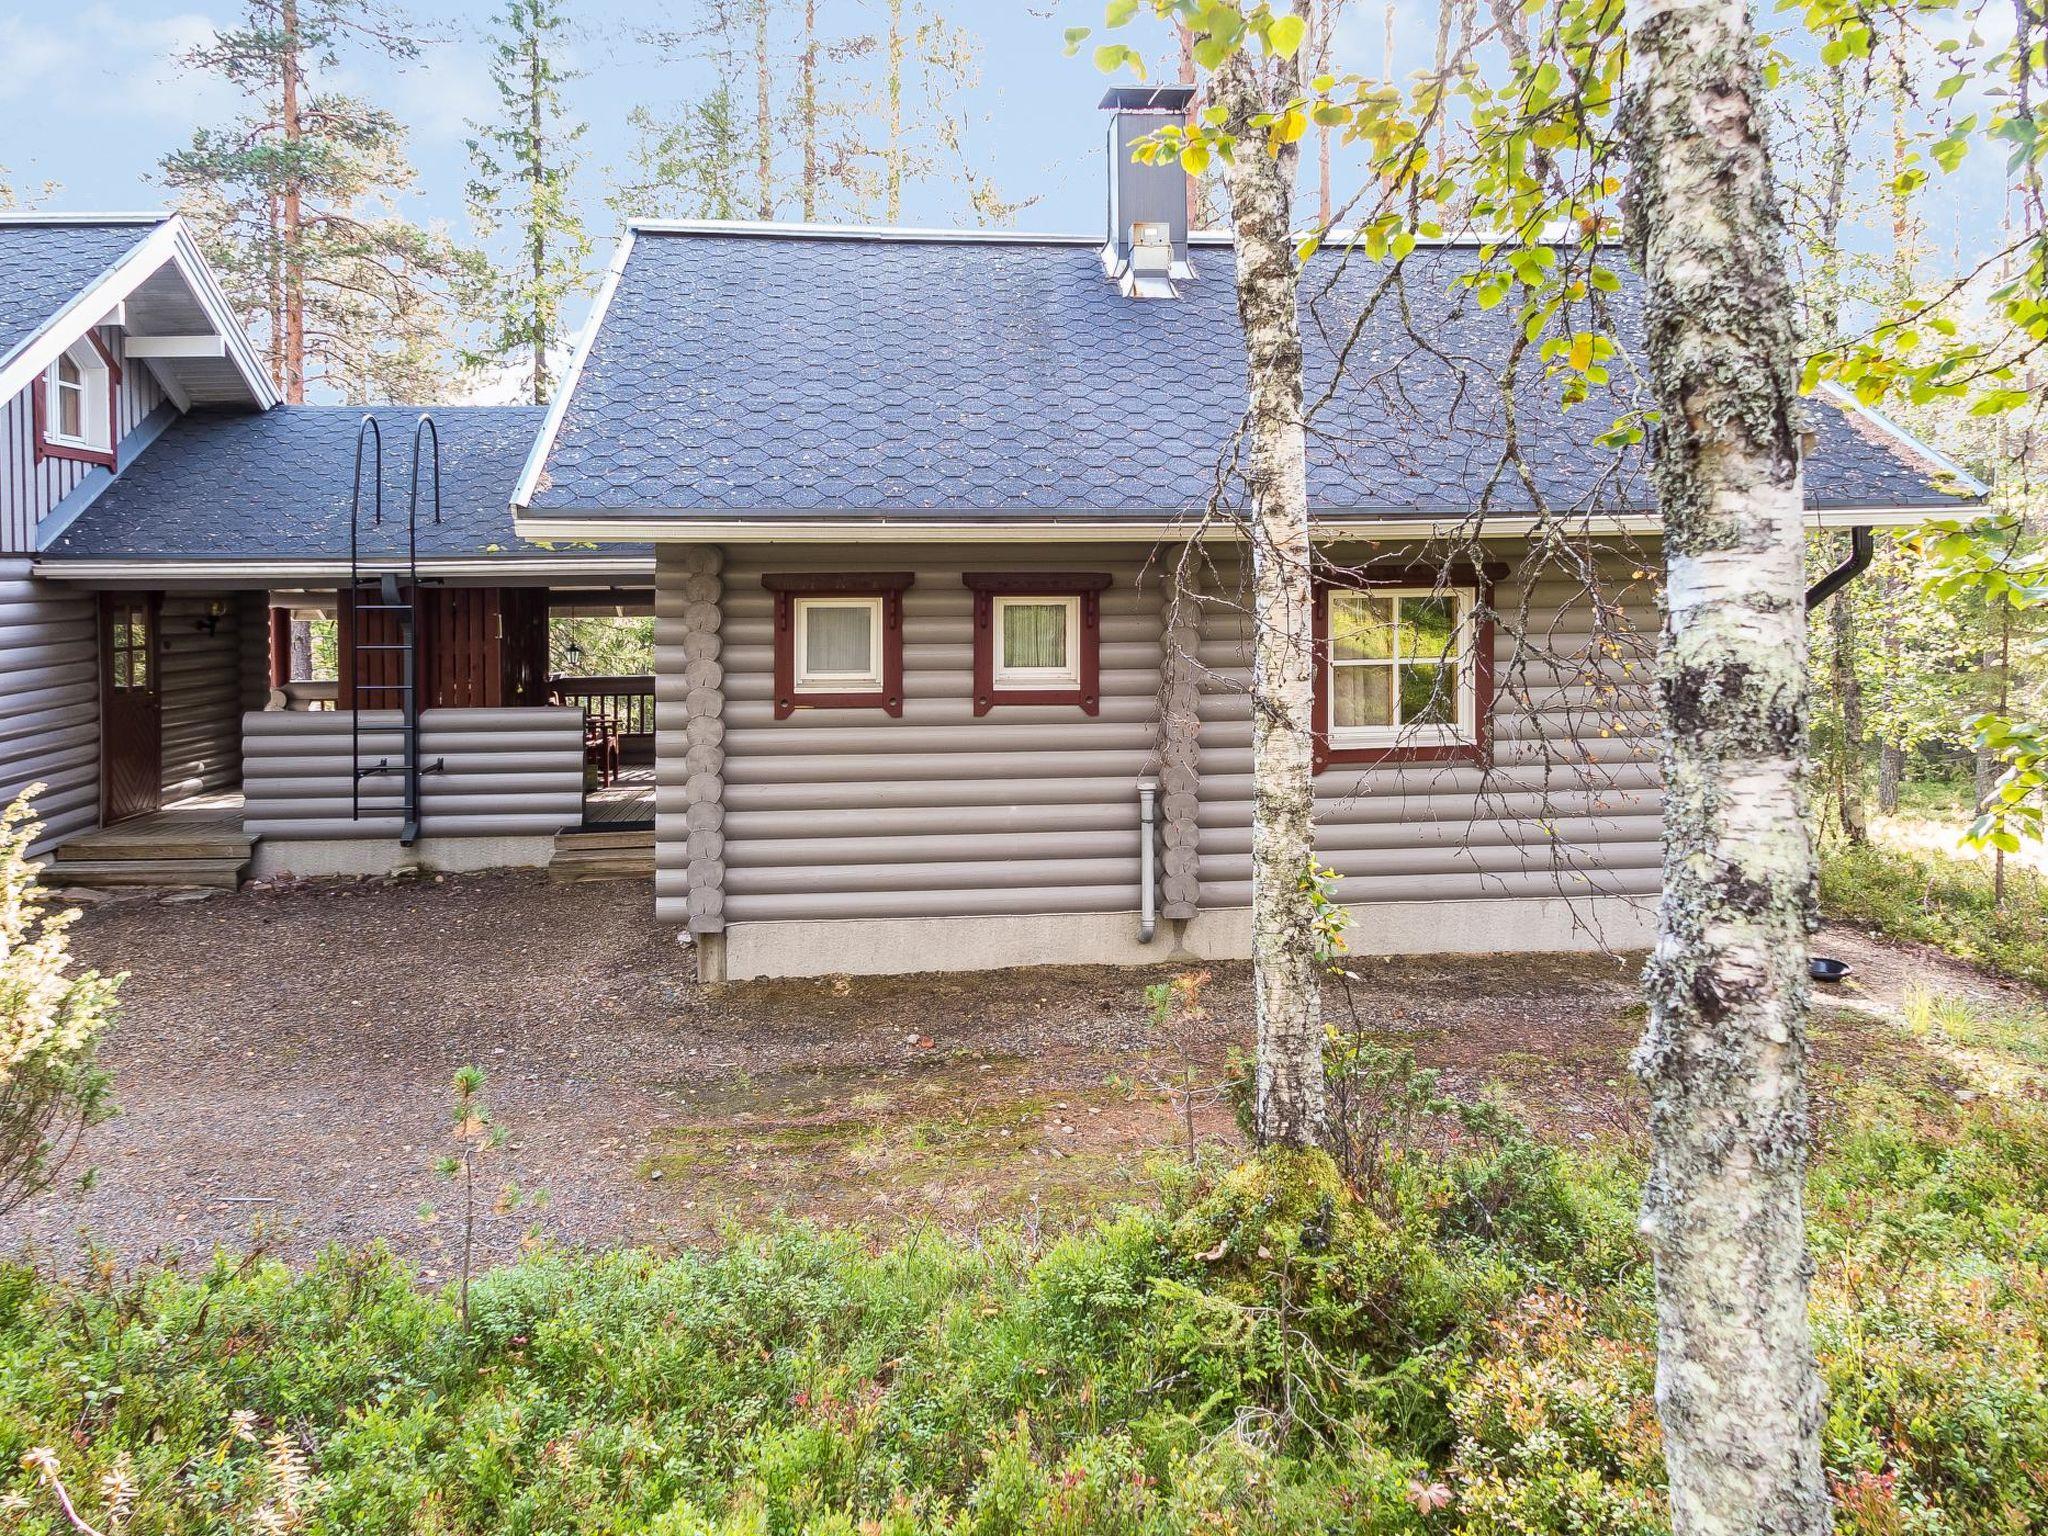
1173, 99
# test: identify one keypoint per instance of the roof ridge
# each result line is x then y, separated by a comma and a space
35, 216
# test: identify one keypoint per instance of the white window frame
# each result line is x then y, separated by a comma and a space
1465, 732
803, 679
1024, 679
94, 401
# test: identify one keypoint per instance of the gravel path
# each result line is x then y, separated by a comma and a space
283, 1058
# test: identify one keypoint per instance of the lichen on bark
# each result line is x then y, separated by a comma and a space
1723, 1057
1288, 1104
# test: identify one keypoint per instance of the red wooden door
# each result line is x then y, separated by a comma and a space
131, 711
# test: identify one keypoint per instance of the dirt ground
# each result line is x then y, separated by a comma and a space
283, 1060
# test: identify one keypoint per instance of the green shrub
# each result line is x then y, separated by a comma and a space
1945, 902
1261, 1352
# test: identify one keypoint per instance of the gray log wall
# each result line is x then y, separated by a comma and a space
837, 813
206, 682
508, 773
689, 738
49, 700
1570, 806
848, 813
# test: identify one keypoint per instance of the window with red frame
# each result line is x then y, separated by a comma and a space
74, 404
1037, 638
838, 640
1404, 670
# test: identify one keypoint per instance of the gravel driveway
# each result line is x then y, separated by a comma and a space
283, 1060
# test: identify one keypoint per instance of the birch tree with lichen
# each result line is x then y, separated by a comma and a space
1724, 1056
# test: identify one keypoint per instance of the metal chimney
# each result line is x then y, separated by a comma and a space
1147, 247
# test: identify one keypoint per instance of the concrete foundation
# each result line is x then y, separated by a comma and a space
310, 858
903, 946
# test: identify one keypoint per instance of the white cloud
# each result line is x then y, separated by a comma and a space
112, 64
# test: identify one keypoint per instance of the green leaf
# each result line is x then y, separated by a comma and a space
1284, 36
1111, 57
1118, 13
1076, 36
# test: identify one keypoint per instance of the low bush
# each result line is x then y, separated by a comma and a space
1942, 901
1259, 1350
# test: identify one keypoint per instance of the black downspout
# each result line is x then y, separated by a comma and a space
1861, 548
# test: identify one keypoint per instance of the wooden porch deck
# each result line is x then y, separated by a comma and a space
627, 802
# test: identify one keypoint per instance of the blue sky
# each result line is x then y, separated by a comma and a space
92, 96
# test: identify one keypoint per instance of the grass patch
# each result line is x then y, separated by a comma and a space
1249, 1350
1945, 902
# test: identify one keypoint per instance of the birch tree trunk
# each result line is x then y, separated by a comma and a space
1289, 1096
1738, 1390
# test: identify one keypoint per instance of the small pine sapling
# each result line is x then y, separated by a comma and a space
51, 1020
1178, 1015
475, 1134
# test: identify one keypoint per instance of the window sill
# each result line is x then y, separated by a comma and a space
789, 703
1474, 752
81, 453
986, 699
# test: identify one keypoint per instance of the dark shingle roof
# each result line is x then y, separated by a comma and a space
275, 486
44, 266
779, 376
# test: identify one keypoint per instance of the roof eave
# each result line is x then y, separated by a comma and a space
824, 526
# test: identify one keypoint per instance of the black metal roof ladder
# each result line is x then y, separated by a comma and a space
381, 592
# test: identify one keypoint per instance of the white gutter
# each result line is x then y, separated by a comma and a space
551, 424
644, 528
256, 572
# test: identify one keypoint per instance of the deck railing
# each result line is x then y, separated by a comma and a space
625, 703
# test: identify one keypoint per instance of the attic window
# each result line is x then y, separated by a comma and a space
74, 405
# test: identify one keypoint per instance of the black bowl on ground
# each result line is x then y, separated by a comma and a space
1821, 968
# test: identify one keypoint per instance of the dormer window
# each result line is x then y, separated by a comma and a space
75, 405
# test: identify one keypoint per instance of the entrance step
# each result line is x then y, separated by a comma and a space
171, 843
222, 874
199, 846
603, 855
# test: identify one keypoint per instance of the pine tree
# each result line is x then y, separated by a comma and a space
294, 203
523, 171
689, 166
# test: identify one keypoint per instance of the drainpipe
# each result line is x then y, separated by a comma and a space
1148, 921
1861, 547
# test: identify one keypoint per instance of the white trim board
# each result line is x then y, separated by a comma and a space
170, 242
696, 528
551, 424
140, 570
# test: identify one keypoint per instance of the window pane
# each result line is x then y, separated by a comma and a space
71, 412
120, 668
1362, 696
139, 659
1360, 626
839, 640
1429, 695
1035, 635
68, 371
1427, 625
